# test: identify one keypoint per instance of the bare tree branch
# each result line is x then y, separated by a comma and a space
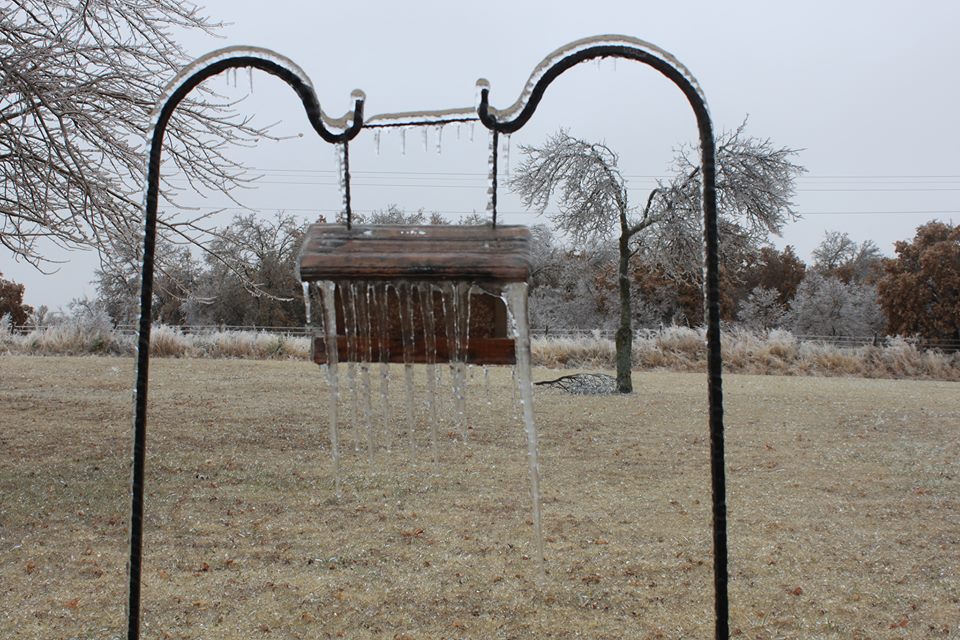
78, 82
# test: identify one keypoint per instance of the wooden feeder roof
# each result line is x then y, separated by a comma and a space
480, 253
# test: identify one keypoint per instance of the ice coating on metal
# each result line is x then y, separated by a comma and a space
420, 118
577, 46
241, 51
482, 85
427, 117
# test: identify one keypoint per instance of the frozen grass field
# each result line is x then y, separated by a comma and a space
844, 504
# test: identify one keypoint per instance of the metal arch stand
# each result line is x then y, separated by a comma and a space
352, 125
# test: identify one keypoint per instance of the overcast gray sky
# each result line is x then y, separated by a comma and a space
867, 90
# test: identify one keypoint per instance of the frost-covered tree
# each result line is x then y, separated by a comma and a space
78, 81
395, 215
574, 291
249, 277
839, 255
762, 310
828, 306
755, 182
118, 285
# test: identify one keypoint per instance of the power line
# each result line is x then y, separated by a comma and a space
358, 181
877, 213
482, 174
234, 208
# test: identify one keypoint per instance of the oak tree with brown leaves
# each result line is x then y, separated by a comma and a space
920, 288
11, 302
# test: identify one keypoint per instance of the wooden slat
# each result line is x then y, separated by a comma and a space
479, 350
415, 252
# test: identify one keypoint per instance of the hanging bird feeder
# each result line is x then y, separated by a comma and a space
413, 269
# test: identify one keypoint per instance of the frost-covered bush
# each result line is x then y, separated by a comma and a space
827, 306
762, 310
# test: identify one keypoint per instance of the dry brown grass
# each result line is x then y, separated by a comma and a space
778, 353
844, 499
674, 348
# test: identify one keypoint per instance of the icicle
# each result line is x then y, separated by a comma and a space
350, 326
515, 297
306, 304
250, 77
471, 131
430, 345
411, 420
439, 130
448, 292
486, 384
385, 365
506, 155
517, 405
366, 356
454, 311
403, 142
376, 140
463, 344
425, 143
328, 290
459, 128
406, 327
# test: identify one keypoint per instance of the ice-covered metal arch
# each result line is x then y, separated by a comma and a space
498, 121
178, 88
515, 116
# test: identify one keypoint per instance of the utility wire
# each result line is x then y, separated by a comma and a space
234, 208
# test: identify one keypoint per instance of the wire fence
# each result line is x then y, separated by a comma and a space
597, 334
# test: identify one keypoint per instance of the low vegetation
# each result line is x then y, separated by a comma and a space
674, 348
773, 353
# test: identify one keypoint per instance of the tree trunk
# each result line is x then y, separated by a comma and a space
625, 330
